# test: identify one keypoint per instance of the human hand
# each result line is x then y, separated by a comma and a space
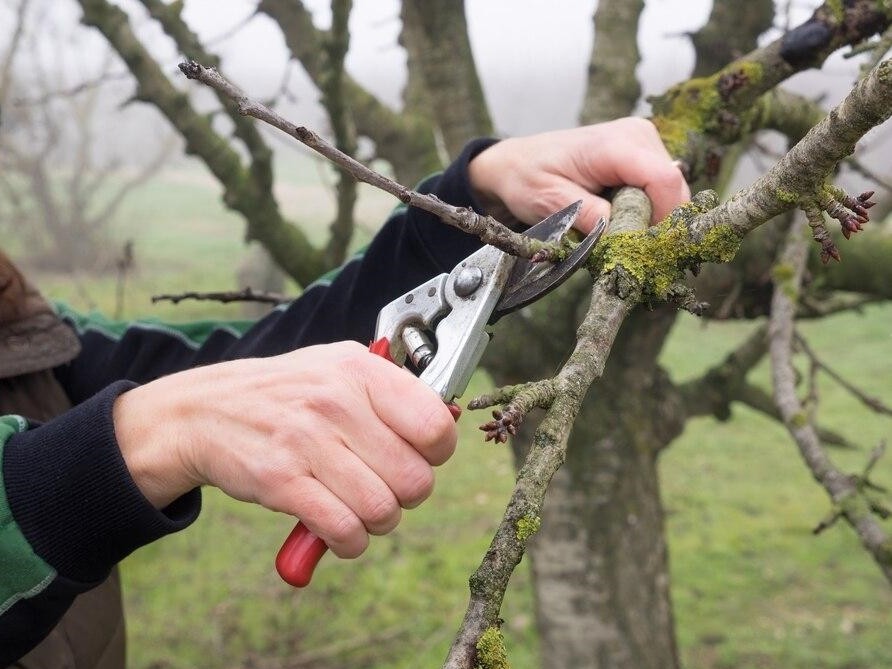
532, 177
331, 434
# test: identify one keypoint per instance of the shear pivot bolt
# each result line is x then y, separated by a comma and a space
468, 280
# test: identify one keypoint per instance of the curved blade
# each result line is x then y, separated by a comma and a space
536, 280
550, 229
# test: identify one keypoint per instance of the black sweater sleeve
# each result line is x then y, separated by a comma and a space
67, 488
411, 247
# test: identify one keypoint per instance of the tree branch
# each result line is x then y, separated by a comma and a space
842, 489
804, 169
407, 143
613, 88
873, 403
342, 127
595, 338
486, 228
713, 392
288, 245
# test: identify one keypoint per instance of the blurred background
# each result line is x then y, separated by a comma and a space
100, 201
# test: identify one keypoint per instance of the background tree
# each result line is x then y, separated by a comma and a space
60, 187
600, 558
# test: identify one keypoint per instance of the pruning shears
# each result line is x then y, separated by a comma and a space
440, 329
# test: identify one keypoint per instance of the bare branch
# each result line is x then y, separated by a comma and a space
486, 228
8, 58
759, 400
811, 306
873, 403
245, 295
843, 490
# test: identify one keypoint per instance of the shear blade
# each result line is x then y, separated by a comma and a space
531, 281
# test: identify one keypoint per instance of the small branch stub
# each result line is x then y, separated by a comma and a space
517, 402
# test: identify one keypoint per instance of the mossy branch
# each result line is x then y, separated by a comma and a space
595, 338
805, 168
698, 116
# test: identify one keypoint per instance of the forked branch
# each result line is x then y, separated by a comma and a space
683, 241
844, 490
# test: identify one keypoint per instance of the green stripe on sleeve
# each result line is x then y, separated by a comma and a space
191, 333
24, 573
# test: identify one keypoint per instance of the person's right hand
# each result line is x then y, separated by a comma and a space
333, 435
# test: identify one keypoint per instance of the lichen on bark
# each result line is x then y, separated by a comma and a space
491, 653
658, 257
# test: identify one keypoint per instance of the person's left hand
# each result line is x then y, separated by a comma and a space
532, 177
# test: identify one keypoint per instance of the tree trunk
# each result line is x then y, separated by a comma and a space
435, 35
600, 560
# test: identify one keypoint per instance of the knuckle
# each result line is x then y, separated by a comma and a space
435, 433
348, 536
380, 513
415, 485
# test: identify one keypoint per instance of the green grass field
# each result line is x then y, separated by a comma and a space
752, 588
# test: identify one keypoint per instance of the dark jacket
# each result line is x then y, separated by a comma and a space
69, 510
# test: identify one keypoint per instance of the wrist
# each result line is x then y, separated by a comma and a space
487, 175
150, 446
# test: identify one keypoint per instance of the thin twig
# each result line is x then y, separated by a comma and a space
244, 295
486, 228
871, 402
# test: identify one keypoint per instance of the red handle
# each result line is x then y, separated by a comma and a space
299, 556
302, 550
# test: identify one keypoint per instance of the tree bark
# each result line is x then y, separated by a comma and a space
600, 561
435, 35
613, 88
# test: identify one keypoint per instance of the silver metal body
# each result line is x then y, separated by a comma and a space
441, 324
458, 319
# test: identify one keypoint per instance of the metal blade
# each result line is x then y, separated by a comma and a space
534, 282
550, 229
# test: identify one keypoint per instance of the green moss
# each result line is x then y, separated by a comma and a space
836, 9
491, 653
693, 106
719, 244
658, 257
528, 526
786, 196
783, 275
689, 107
782, 272
753, 70
799, 419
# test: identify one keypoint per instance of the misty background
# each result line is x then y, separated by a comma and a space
532, 58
